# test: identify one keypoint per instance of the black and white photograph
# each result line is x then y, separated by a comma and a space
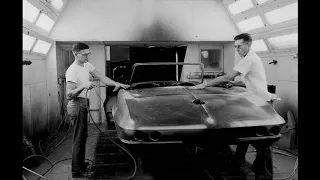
160, 89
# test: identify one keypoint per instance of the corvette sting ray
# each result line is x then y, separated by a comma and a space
158, 108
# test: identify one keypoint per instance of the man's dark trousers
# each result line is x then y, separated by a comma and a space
77, 110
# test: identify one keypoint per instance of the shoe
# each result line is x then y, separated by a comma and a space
82, 174
85, 172
86, 166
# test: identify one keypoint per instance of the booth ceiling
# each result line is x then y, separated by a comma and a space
39, 17
273, 24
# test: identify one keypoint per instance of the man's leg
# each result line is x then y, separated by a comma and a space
215, 157
239, 156
79, 139
263, 164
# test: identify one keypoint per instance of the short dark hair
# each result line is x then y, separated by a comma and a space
79, 46
245, 36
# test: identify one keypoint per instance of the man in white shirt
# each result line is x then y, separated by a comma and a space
250, 69
77, 92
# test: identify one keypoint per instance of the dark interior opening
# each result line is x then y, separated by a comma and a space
122, 59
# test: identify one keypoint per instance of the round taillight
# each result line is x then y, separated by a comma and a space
274, 130
139, 136
154, 135
261, 131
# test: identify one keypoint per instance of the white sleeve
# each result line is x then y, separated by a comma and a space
243, 66
71, 76
90, 67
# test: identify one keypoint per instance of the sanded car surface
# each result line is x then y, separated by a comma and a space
173, 111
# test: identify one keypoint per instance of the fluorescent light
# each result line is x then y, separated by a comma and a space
41, 47
286, 41
261, 1
28, 42
250, 24
45, 22
30, 12
259, 45
240, 6
282, 14
57, 4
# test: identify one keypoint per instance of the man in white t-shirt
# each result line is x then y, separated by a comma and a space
77, 92
253, 77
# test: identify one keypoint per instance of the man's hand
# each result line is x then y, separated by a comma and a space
199, 86
119, 85
230, 84
89, 85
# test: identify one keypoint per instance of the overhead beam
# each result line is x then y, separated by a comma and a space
54, 10
34, 28
263, 18
261, 10
275, 32
36, 35
284, 28
288, 24
279, 53
26, 55
44, 9
49, 6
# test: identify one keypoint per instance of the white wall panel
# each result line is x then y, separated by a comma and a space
148, 20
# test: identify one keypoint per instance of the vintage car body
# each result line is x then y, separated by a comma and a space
173, 112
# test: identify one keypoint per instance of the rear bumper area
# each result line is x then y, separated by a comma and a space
179, 136
250, 139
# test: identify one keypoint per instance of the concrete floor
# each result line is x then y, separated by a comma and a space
283, 165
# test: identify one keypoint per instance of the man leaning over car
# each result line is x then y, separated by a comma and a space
251, 70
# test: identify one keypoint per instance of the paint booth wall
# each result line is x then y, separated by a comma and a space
41, 107
39, 95
144, 20
52, 89
34, 97
284, 75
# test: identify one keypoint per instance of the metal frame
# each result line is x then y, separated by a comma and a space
165, 63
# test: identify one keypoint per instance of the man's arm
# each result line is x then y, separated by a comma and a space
73, 91
224, 79
104, 79
239, 83
108, 81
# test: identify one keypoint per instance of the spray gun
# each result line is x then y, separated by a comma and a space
273, 62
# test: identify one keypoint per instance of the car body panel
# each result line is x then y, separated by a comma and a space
166, 107
177, 113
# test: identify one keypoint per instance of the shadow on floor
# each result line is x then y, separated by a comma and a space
153, 162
